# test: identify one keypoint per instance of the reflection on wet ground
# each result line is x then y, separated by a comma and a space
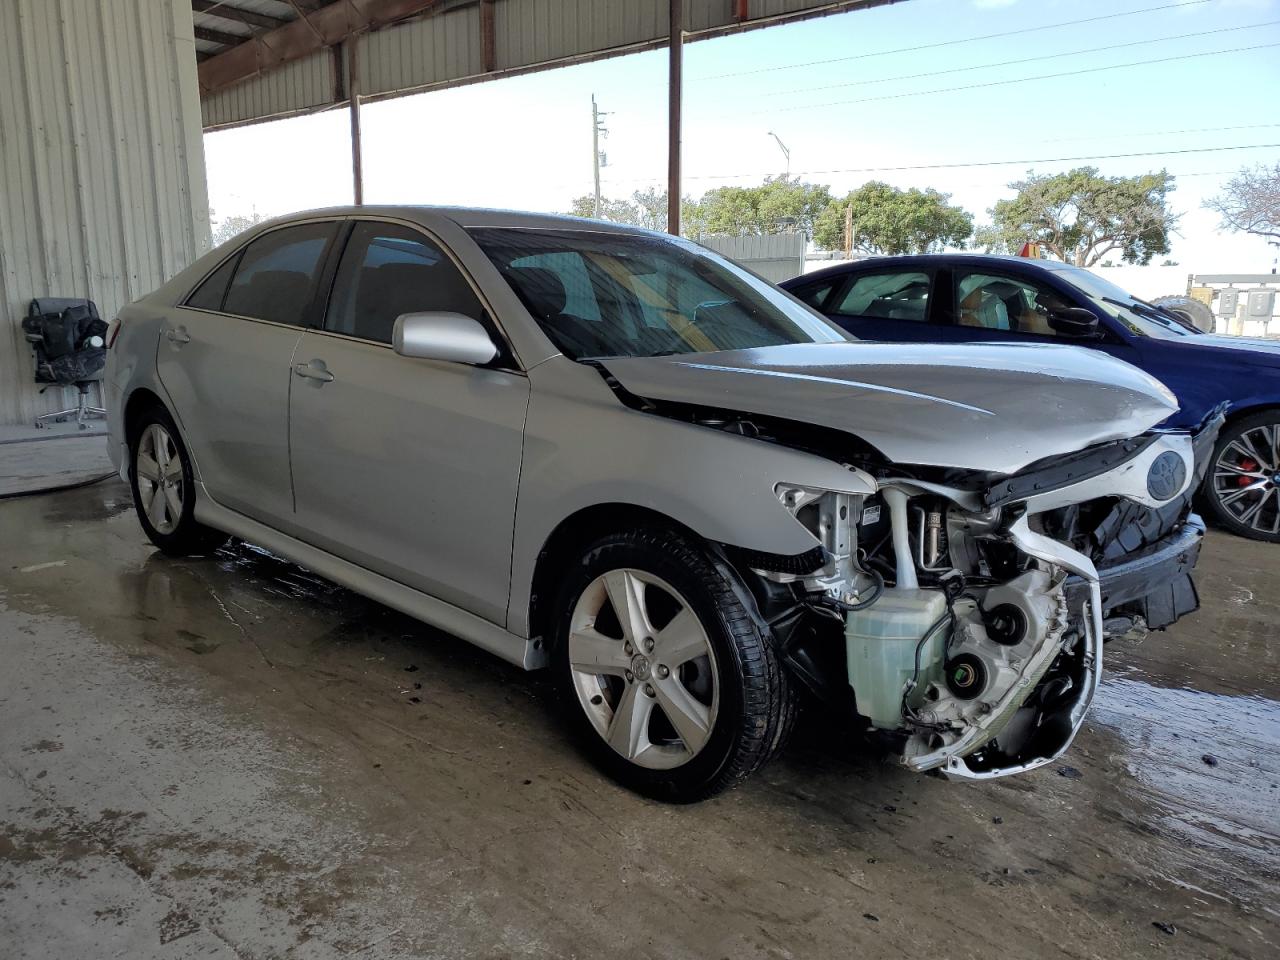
229, 756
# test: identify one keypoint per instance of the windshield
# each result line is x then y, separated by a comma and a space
598, 294
1140, 318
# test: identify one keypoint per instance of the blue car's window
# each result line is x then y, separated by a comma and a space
993, 302
888, 296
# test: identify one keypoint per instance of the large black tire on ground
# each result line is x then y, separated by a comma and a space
757, 705
1219, 513
188, 536
1198, 314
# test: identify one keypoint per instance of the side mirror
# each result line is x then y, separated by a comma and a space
1075, 322
443, 336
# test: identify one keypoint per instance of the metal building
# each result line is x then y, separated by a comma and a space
102, 104
102, 185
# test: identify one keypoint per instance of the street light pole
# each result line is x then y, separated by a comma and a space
785, 152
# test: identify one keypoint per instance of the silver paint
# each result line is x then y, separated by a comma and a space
995, 407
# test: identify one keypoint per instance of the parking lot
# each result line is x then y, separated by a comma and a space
228, 757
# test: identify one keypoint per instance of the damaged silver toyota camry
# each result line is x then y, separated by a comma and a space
615, 454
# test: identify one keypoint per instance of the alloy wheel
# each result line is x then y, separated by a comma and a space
1246, 478
643, 668
158, 467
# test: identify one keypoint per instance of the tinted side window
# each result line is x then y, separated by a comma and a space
993, 302
208, 296
891, 296
276, 276
388, 270
814, 294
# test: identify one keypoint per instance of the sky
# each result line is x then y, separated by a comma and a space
916, 94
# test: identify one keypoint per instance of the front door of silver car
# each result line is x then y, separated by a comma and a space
224, 359
406, 466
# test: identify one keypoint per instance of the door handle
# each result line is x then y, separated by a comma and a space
178, 335
315, 370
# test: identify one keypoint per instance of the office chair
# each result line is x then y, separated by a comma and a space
68, 338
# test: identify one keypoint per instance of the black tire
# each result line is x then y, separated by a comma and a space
757, 705
1213, 490
187, 536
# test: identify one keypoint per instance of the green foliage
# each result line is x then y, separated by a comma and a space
1082, 216
775, 206
233, 225
892, 221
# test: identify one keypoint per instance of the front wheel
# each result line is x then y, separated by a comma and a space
164, 488
1242, 488
669, 676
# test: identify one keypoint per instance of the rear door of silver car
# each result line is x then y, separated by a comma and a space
407, 467
224, 358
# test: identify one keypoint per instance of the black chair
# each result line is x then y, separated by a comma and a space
68, 337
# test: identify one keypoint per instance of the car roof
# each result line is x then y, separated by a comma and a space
931, 260
470, 217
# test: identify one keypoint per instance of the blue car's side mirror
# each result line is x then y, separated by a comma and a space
1075, 322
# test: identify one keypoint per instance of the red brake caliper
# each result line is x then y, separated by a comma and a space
1251, 466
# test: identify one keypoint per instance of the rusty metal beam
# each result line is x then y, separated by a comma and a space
219, 36
325, 27
220, 8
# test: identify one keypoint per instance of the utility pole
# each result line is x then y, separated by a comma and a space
598, 130
785, 152
848, 231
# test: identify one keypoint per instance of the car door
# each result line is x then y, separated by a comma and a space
987, 305
404, 466
224, 359
892, 305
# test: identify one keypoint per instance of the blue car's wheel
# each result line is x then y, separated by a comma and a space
1242, 487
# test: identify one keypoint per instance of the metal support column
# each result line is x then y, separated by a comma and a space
353, 100
674, 84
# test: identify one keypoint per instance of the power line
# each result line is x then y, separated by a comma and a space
1004, 83
1014, 63
1001, 163
1131, 134
973, 164
951, 43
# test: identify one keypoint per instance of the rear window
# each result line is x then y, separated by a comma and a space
276, 277
209, 295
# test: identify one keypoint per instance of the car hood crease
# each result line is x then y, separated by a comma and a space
996, 407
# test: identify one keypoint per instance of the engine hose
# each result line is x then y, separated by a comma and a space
915, 676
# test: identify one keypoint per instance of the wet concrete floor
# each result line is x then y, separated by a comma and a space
229, 757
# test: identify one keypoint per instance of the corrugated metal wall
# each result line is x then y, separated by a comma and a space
102, 188
446, 48
775, 256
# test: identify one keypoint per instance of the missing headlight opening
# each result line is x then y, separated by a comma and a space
965, 624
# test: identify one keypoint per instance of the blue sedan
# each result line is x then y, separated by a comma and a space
971, 298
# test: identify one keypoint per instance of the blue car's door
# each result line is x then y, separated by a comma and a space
989, 305
892, 305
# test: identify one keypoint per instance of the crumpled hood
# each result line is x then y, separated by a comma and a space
995, 407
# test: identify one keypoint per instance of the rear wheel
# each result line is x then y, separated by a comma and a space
164, 487
1242, 488
668, 675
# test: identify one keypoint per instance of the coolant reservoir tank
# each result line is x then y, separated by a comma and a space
880, 644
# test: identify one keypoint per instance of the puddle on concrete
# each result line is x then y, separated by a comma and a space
1210, 762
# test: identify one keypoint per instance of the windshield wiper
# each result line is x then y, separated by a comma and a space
1152, 312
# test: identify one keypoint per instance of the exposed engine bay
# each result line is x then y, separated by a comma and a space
965, 624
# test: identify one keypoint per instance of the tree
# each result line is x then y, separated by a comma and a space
1251, 202
779, 205
1082, 216
892, 221
234, 225
617, 211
